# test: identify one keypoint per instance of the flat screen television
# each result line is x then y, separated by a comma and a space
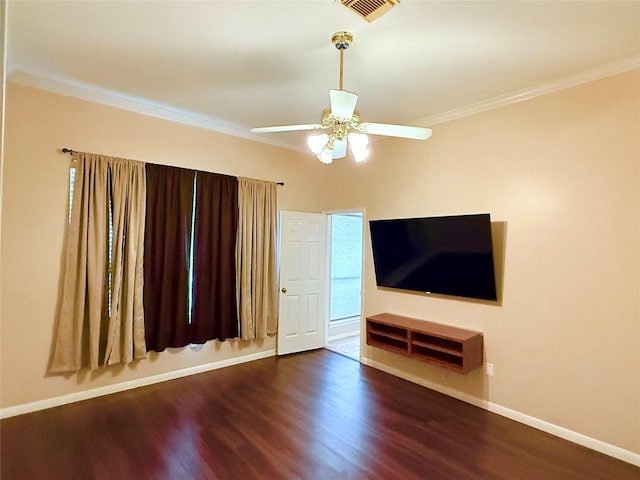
450, 255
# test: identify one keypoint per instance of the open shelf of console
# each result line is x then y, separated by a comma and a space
450, 347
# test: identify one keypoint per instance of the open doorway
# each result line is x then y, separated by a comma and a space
345, 283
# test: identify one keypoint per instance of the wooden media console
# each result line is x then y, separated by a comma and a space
442, 345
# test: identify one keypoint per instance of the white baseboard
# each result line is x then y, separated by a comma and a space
580, 439
119, 387
558, 431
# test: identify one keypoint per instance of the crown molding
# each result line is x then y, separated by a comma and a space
91, 93
72, 88
603, 71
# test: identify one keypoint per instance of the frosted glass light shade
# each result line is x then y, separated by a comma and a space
358, 143
360, 154
358, 140
324, 146
317, 142
326, 155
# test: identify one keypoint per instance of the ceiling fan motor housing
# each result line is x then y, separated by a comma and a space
340, 126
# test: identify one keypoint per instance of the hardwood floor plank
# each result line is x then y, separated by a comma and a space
315, 415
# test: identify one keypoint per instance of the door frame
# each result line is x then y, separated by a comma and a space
329, 213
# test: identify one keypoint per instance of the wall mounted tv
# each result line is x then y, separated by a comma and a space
450, 255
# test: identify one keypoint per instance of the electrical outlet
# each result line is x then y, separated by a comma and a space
489, 369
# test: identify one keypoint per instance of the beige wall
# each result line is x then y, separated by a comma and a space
34, 215
560, 175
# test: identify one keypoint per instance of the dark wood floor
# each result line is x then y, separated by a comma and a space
316, 415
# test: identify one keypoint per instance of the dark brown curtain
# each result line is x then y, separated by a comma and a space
215, 313
166, 256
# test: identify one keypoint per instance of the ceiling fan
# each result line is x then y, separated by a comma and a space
342, 122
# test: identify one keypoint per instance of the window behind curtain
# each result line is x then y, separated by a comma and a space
72, 180
101, 313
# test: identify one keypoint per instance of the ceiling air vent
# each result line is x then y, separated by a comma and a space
370, 9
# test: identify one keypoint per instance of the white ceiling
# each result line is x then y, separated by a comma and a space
239, 64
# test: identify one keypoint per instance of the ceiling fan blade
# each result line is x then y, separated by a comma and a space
340, 148
343, 103
402, 131
286, 128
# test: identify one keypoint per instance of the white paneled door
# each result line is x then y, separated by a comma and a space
304, 297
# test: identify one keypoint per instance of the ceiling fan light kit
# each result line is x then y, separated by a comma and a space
342, 121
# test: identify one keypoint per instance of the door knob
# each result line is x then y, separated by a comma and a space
284, 290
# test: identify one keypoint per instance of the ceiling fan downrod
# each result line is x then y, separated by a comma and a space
342, 41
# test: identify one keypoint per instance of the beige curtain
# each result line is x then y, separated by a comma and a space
256, 268
101, 317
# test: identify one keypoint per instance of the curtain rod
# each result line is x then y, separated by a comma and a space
71, 152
